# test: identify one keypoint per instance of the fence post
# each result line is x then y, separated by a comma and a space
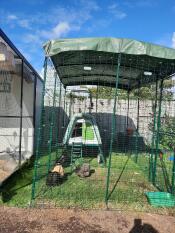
58, 119
153, 137
21, 111
173, 176
158, 132
137, 129
113, 127
52, 123
38, 134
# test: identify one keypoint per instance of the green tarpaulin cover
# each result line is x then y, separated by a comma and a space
94, 61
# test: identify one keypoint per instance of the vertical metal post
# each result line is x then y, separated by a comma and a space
51, 124
60, 94
113, 127
153, 136
21, 112
58, 119
64, 109
173, 176
128, 103
34, 113
158, 132
137, 127
39, 131
97, 99
128, 147
70, 105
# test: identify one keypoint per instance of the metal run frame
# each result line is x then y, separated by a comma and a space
154, 150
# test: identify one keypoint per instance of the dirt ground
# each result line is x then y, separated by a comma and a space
81, 221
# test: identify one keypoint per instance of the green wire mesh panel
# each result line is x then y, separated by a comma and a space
48, 137
75, 188
164, 156
106, 139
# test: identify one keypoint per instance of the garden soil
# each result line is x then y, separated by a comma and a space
18, 220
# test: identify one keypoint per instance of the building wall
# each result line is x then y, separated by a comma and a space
105, 111
16, 123
10, 123
39, 89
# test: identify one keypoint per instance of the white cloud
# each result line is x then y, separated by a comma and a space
77, 14
61, 29
12, 17
32, 38
114, 9
55, 22
37, 38
51, 23
173, 40
16, 20
24, 23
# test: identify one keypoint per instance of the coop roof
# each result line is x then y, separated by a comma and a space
92, 61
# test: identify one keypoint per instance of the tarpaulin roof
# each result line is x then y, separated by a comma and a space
94, 61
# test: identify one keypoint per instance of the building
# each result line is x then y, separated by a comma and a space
20, 106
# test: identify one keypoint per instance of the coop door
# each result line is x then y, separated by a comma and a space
77, 132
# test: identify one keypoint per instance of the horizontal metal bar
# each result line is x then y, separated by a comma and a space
16, 117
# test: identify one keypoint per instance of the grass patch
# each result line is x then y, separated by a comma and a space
16, 191
128, 182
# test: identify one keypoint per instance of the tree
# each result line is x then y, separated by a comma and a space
167, 132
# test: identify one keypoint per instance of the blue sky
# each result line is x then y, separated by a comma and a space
30, 23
